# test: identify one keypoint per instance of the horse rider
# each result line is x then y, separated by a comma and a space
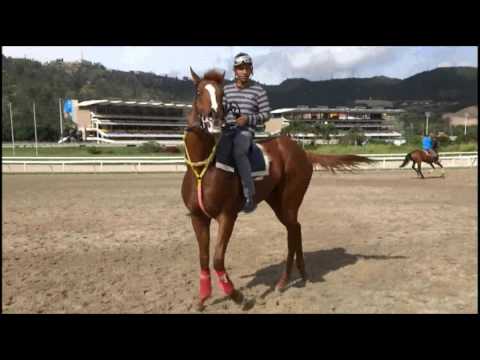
427, 144
254, 109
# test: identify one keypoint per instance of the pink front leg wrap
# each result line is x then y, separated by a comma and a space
205, 285
225, 283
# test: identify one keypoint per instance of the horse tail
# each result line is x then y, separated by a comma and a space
339, 162
407, 159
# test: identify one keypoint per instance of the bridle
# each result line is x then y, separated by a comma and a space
206, 122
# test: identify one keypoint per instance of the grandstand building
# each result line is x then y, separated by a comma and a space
375, 123
132, 122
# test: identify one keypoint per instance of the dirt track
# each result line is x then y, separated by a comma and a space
376, 242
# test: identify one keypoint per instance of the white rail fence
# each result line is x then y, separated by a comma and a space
177, 163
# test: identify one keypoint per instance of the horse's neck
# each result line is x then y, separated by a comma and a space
198, 149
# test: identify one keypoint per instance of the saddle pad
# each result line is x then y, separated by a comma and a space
224, 159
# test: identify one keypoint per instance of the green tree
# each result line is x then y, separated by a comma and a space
325, 130
354, 136
297, 127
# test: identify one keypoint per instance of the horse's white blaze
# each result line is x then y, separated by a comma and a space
213, 98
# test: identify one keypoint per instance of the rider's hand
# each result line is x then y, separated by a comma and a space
242, 121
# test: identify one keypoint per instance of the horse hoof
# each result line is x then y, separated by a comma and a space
200, 306
302, 283
237, 297
280, 288
248, 304
304, 277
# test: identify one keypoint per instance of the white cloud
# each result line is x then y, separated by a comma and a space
272, 64
318, 63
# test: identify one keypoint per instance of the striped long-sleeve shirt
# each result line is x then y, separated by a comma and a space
253, 103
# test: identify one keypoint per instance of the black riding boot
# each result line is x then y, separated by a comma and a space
250, 204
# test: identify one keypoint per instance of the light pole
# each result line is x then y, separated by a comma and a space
61, 118
11, 126
427, 114
35, 127
466, 119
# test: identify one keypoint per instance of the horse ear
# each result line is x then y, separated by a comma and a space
223, 77
195, 77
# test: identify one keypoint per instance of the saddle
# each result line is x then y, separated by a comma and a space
224, 159
431, 154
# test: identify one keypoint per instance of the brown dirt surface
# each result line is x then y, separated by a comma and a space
374, 242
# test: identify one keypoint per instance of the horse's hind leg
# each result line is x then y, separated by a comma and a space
285, 202
293, 240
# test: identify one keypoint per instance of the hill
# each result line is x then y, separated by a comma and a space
25, 81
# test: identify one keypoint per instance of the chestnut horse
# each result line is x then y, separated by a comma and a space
417, 156
211, 193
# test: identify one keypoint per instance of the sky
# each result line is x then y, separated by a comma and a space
272, 64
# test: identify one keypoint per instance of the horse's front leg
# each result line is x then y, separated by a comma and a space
441, 166
201, 226
226, 223
420, 170
414, 169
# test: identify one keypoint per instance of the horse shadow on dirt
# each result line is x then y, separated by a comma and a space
318, 264
430, 177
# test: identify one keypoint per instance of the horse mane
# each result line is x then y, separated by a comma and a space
214, 75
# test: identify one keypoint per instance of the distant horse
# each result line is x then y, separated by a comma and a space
417, 156
209, 192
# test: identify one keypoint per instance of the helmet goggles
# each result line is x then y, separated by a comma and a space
242, 59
